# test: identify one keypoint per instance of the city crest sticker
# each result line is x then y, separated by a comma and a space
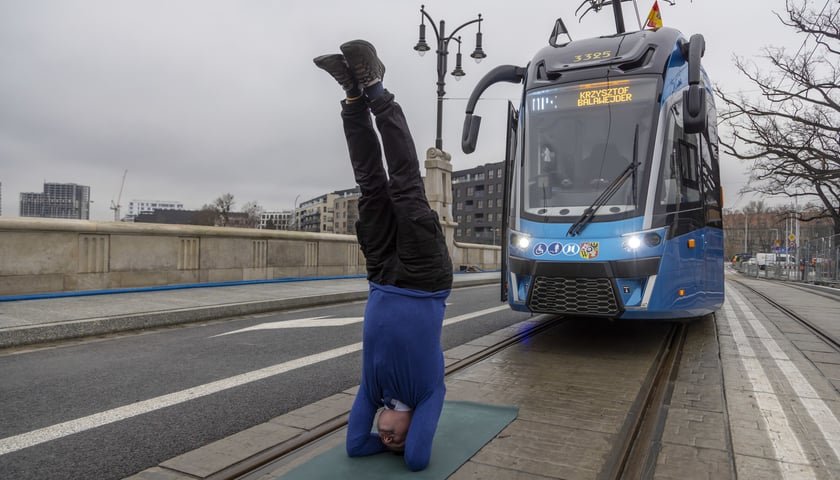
588, 250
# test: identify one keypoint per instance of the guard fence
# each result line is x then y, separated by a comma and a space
815, 260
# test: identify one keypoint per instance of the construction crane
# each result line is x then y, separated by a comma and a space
115, 206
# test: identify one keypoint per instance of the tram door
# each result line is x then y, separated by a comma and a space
680, 205
510, 155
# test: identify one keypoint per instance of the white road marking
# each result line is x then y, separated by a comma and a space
817, 409
299, 323
35, 437
326, 321
54, 432
784, 442
467, 316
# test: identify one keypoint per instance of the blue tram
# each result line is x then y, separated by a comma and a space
612, 185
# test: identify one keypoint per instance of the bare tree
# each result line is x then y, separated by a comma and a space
254, 211
791, 133
223, 206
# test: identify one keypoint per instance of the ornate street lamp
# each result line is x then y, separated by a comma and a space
442, 43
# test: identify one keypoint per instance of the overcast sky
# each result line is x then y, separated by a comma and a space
197, 98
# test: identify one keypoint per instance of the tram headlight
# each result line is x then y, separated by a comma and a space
520, 241
636, 240
632, 243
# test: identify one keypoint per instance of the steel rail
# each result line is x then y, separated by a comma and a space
813, 328
639, 440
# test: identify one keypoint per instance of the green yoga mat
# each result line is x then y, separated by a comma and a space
464, 428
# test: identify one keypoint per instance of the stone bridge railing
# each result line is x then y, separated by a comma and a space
48, 255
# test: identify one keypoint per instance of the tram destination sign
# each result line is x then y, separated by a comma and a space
593, 94
604, 93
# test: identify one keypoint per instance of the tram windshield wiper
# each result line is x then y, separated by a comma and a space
602, 199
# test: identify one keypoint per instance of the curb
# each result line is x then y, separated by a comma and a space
35, 334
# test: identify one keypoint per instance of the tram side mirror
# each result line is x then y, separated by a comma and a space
502, 73
469, 136
694, 109
694, 99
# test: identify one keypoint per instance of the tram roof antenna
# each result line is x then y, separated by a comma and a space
597, 5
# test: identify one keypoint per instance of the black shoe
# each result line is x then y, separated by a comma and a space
363, 62
336, 65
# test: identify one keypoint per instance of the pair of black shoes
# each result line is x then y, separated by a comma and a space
357, 66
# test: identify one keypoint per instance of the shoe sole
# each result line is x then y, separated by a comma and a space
337, 67
367, 66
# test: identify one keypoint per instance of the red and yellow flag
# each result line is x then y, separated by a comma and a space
654, 18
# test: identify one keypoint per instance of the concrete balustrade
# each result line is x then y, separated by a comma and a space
51, 255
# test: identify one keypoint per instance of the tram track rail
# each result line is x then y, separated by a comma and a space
815, 329
256, 465
639, 440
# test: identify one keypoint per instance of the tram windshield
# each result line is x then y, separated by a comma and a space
579, 140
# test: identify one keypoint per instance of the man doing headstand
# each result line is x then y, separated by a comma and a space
409, 269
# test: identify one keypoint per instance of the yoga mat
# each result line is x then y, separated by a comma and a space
464, 428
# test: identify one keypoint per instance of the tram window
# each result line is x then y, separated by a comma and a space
689, 172
709, 172
679, 186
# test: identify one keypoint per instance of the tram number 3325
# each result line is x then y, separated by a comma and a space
585, 57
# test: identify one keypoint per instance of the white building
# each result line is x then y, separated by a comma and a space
282, 220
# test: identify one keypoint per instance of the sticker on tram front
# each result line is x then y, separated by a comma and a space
571, 249
588, 250
540, 249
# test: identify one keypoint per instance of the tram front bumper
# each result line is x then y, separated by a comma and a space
599, 289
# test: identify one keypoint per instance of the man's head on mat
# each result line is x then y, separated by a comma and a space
393, 428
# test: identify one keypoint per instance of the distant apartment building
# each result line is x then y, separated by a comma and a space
477, 196
58, 200
319, 213
136, 207
346, 211
312, 215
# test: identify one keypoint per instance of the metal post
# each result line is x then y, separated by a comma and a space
294, 213
746, 231
619, 16
441, 83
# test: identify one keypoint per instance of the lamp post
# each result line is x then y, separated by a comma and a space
442, 44
746, 231
294, 213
